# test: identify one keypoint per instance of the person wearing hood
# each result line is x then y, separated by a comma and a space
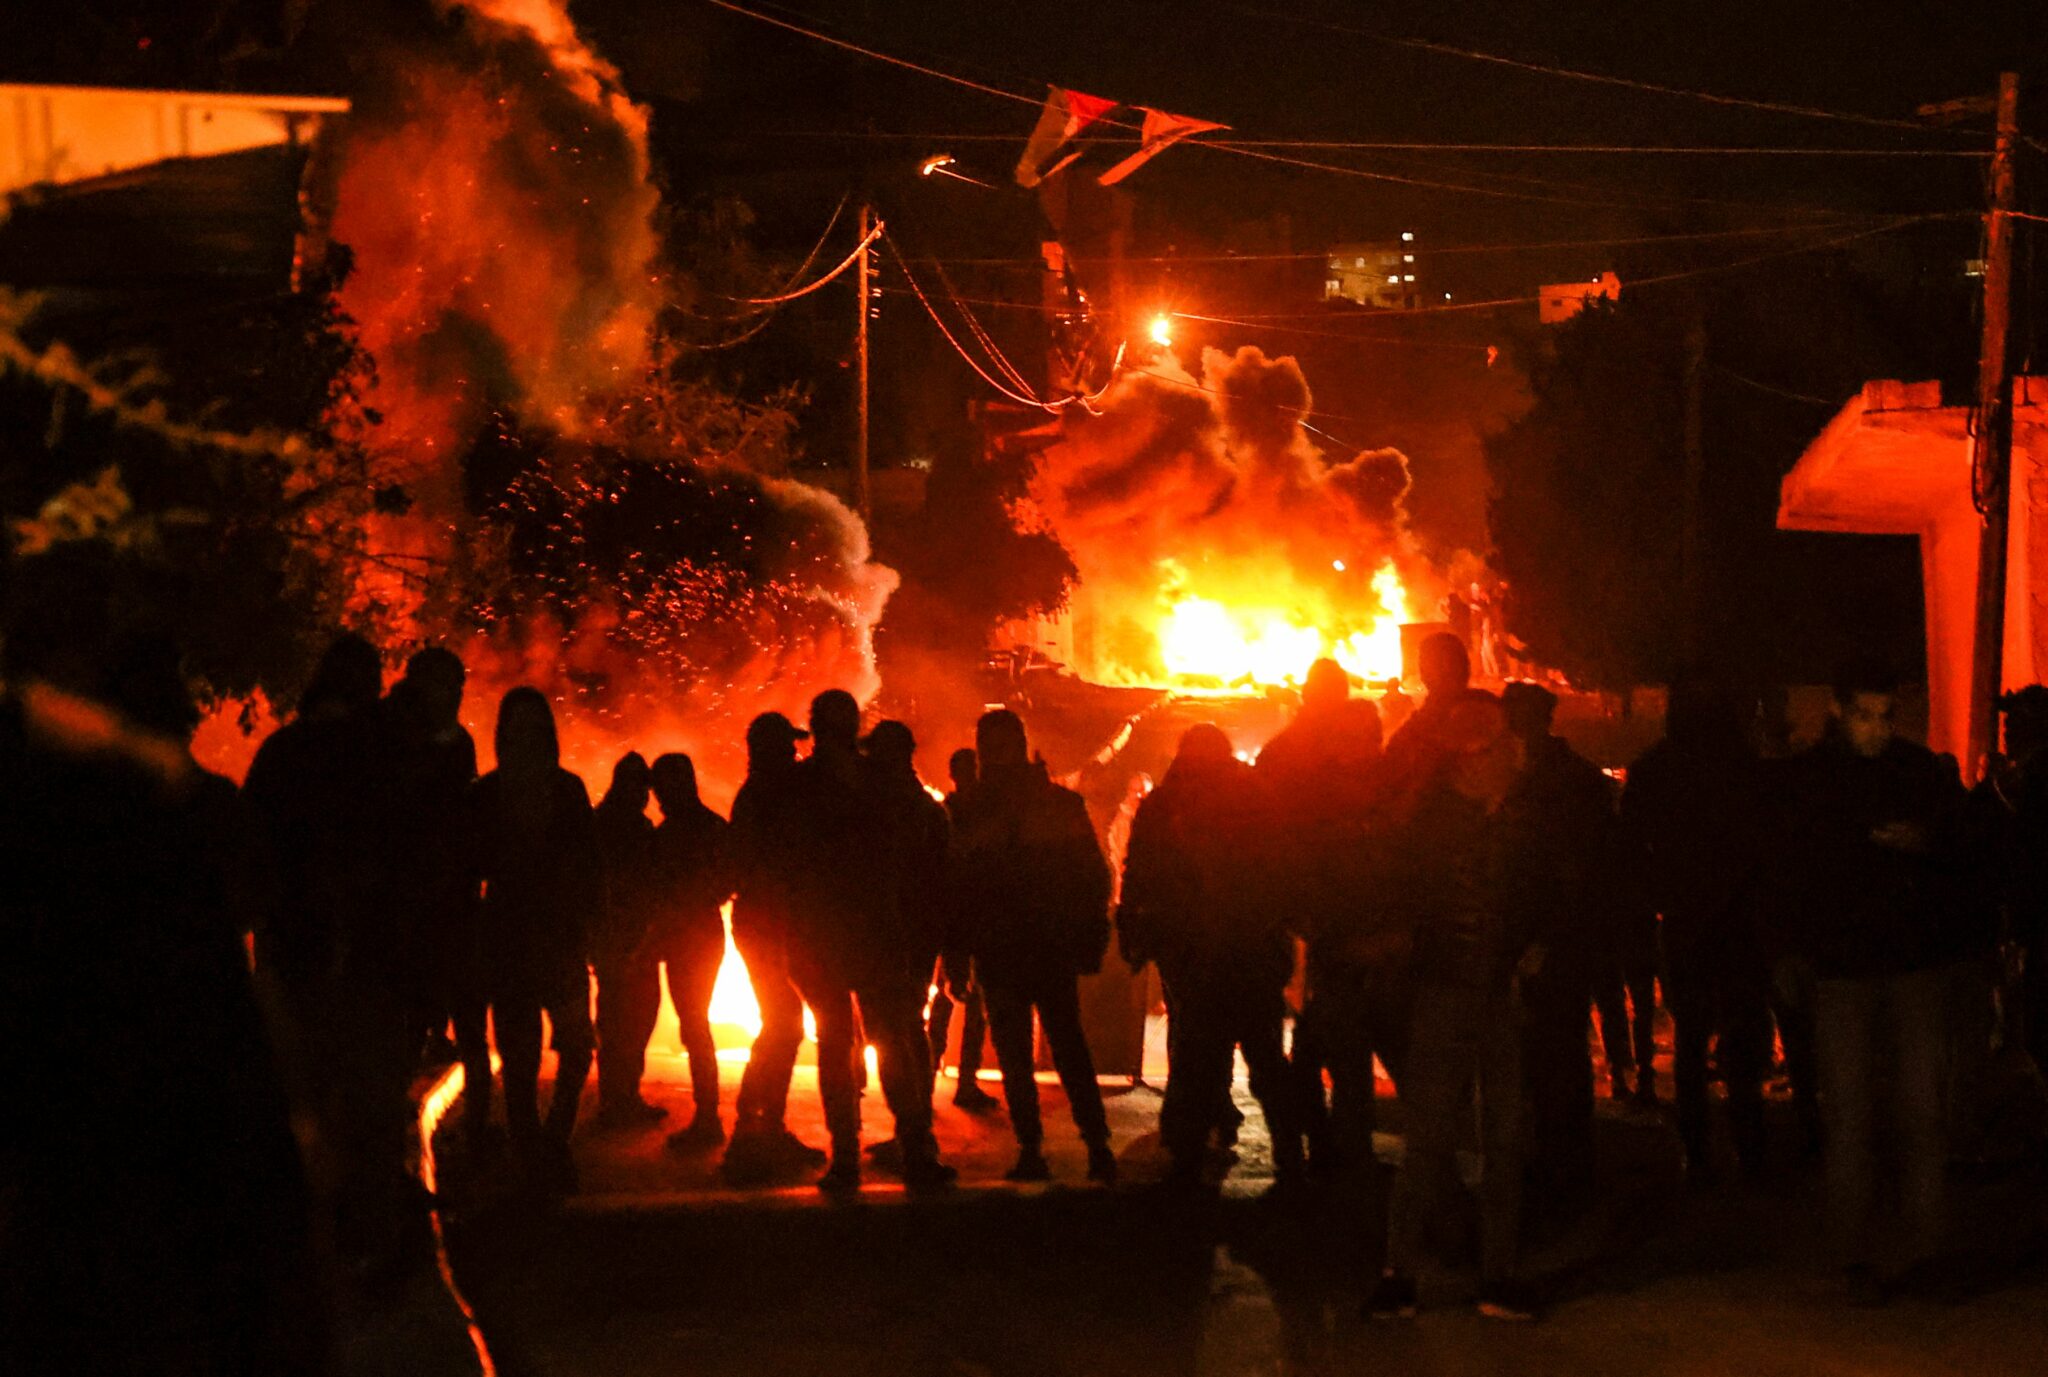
628, 977
1197, 898
1032, 889
534, 847
692, 872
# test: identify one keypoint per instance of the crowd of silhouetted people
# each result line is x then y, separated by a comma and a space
241, 990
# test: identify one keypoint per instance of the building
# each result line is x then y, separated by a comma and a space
1560, 301
1895, 461
1382, 275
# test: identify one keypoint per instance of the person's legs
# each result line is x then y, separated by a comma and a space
894, 1017
1692, 1021
1610, 1000
568, 1011
973, 1034
1434, 1100
1009, 1014
838, 1092
1501, 1077
1642, 1008
473, 1045
1743, 1055
1914, 1006
764, 1087
938, 1025
693, 960
1198, 1071
1258, 1026
1059, 1013
515, 1018
1346, 1034
628, 1002
1843, 1043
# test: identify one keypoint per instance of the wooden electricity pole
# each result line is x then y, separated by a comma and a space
1991, 439
863, 276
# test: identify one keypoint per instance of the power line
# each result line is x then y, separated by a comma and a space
1426, 146
1425, 251
848, 262
1235, 148
1599, 78
1788, 395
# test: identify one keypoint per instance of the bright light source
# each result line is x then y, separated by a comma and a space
1407, 236
1409, 278
934, 164
1393, 277
1407, 258
1162, 330
1338, 565
1447, 296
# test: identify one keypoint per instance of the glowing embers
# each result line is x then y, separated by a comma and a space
1209, 639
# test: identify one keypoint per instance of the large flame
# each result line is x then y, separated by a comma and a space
1219, 547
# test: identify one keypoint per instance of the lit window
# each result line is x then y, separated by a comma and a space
1409, 277
1407, 236
1393, 277
1332, 287
1407, 258
1358, 262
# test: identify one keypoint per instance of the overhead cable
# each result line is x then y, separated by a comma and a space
1600, 78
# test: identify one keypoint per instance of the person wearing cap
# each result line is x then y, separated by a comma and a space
844, 882
762, 1146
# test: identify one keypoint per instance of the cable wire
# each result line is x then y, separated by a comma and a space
847, 262
1599, 78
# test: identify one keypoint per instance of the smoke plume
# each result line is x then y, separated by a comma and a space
1210, 488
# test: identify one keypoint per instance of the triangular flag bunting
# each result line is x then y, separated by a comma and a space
1066, 115
1161, 131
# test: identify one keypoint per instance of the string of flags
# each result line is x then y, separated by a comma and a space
1070, 114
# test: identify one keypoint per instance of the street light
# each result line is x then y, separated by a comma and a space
1162, 330
941, 165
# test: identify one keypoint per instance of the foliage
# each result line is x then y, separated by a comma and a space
1584, 513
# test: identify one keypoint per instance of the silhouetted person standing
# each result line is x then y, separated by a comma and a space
535, 848
1197, 898
847, 843
692, 871
1477, 875
155, 1212
1318, 774
435, 765
762, 1146
1033, 890
1416, 752
963, 769
1578, 805
1881, 910
340, 945
1691, 822
628, 971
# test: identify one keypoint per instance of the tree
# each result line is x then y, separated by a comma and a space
1584, 513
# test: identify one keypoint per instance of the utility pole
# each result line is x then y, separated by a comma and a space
1991, 439
863, 275
1692, 577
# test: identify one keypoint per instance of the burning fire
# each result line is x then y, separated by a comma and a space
1219, 545
1206, 640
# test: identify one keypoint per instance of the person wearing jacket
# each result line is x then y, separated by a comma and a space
692, 879
535, 851
628, 978
1032, 888
1478, 877
762, 1147
1197, 899
1882, 907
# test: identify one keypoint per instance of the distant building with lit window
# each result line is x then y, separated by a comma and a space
1381, 274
